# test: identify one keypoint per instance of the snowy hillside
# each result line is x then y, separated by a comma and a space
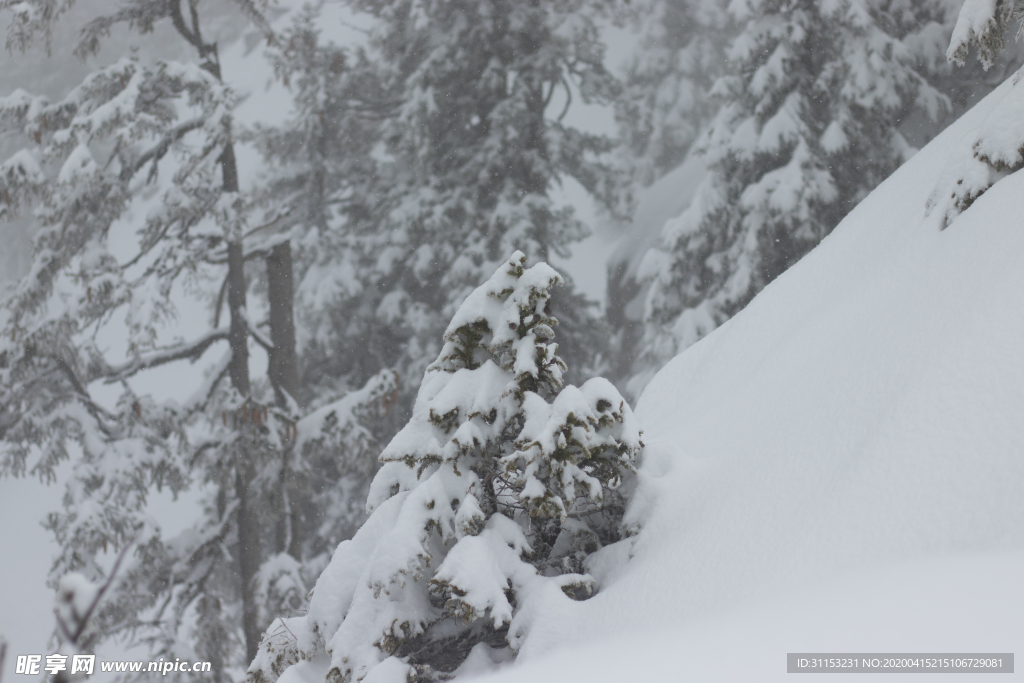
837, 469
858, 425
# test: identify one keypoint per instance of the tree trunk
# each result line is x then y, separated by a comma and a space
248, 552
284, 377
284, 365
238, 337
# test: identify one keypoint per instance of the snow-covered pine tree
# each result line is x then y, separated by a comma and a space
488, 504
666, 103
995, 147
139, 120
984, 24
925, 28
132, 184
808, 125
473, 152
320, 165
664, 106
317, 182
88, 161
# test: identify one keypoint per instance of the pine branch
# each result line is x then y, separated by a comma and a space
159, 150
98, 413
192, 351
174, 10
141, 16
263, 250
253, 13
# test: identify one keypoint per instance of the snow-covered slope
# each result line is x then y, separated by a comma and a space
841, 466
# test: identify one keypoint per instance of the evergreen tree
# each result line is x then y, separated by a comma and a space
91, 158
320, 185
489, 502
993, 150
808, 125
132, 183
984, 24
317, 184
924, 27
474, 145
666, 101
665, 105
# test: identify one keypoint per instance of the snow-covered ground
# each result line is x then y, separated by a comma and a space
840, 468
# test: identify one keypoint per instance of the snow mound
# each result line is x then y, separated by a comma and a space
850, 446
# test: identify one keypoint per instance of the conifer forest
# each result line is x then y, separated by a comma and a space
404, 341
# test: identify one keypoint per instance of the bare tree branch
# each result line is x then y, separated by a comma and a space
260, 338
83, 621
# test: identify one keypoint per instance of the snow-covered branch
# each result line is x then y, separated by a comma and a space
157, 151
188, 351
984, 23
